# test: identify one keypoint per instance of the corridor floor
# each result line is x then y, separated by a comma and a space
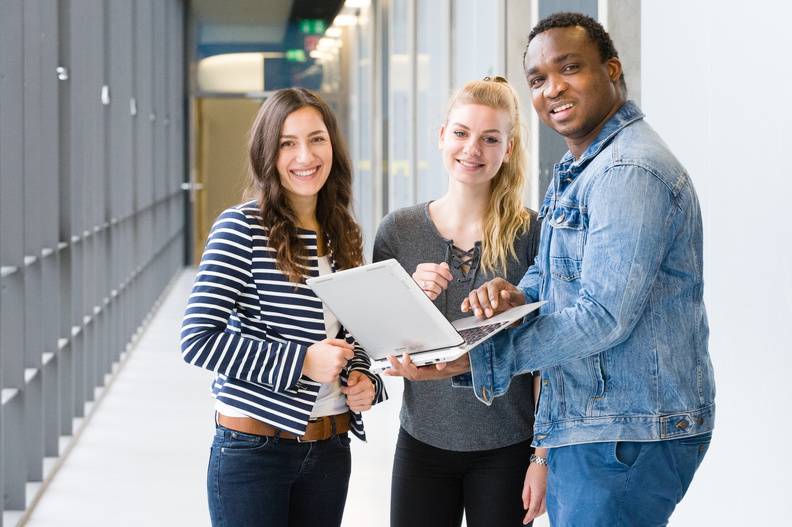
141, 457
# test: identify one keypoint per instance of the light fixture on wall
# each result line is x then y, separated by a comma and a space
345, 20
233, 72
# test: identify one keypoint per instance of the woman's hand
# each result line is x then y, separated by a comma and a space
325, 359
431, 372
433, 278
359, 391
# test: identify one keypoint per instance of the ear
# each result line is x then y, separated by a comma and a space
614, 66
440, 140
509, 150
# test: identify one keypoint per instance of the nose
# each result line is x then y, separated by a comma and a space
471, 147
303, 153
554, 86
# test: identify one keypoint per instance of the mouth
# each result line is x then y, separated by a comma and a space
561, 108
468, 164
307, 172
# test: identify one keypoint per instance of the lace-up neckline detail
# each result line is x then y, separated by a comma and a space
467, 262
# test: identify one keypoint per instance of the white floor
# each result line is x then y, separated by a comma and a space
141, 458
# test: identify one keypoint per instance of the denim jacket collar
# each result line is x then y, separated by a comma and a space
625, 116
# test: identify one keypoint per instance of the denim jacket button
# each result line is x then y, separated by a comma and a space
682, 424
700, 421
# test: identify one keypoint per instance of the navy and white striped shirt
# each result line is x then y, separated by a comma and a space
252, 326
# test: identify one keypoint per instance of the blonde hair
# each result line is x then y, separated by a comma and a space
505, 217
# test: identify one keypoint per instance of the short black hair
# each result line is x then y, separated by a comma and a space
595, 31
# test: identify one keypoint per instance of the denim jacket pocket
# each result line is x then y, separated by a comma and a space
565, 215
567, 238
565, 269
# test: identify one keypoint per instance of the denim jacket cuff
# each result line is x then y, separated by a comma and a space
481, 371
463, 380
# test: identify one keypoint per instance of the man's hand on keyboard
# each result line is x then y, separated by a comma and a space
492, 298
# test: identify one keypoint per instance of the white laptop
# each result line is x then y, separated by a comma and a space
388, 314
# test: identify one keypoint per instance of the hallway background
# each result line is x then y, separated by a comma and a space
104, 182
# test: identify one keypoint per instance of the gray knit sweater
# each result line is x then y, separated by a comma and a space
436, 412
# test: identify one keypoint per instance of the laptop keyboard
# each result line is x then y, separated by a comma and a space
473, 335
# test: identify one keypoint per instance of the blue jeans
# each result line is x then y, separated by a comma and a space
432, 486
621, 484
266, 481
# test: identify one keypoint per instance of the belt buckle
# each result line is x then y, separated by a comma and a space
328, 428
324, 420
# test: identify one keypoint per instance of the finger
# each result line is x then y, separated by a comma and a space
493, 295
473, 303
445, 271
441, 269
393, 371
506, 296
479, 299
427, 286
355, 377
512, 298
359, 390
339, 343
397, 368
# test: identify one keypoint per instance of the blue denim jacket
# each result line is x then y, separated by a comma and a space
622, 342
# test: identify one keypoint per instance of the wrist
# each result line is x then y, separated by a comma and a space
539, 460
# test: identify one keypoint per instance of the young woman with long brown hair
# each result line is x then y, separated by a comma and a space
290, 382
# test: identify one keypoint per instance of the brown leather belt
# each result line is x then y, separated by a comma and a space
318, 429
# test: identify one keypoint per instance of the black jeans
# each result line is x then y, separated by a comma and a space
432, 487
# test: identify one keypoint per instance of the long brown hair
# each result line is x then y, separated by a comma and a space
333, 207
505, 217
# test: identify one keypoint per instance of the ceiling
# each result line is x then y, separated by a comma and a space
251, 23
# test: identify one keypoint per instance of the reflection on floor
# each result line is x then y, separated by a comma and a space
141, 458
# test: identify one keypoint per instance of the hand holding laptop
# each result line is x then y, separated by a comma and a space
432, 372
389, 314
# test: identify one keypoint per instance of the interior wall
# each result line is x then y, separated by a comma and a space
713, 76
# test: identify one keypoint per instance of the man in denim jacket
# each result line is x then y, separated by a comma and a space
627, 401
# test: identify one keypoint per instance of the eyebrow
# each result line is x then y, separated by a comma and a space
316, 132
491, 131
556, 60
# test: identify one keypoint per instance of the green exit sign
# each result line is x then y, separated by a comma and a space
295, 55
312, 26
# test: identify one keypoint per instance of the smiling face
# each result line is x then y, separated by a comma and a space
572, 90
305, 155
475, 143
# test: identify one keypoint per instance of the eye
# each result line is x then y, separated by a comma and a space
286, 144
459, 133
318, 139
535, 82
491, 140
571, 67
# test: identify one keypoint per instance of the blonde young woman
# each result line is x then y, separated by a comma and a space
290, 383
455, 455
